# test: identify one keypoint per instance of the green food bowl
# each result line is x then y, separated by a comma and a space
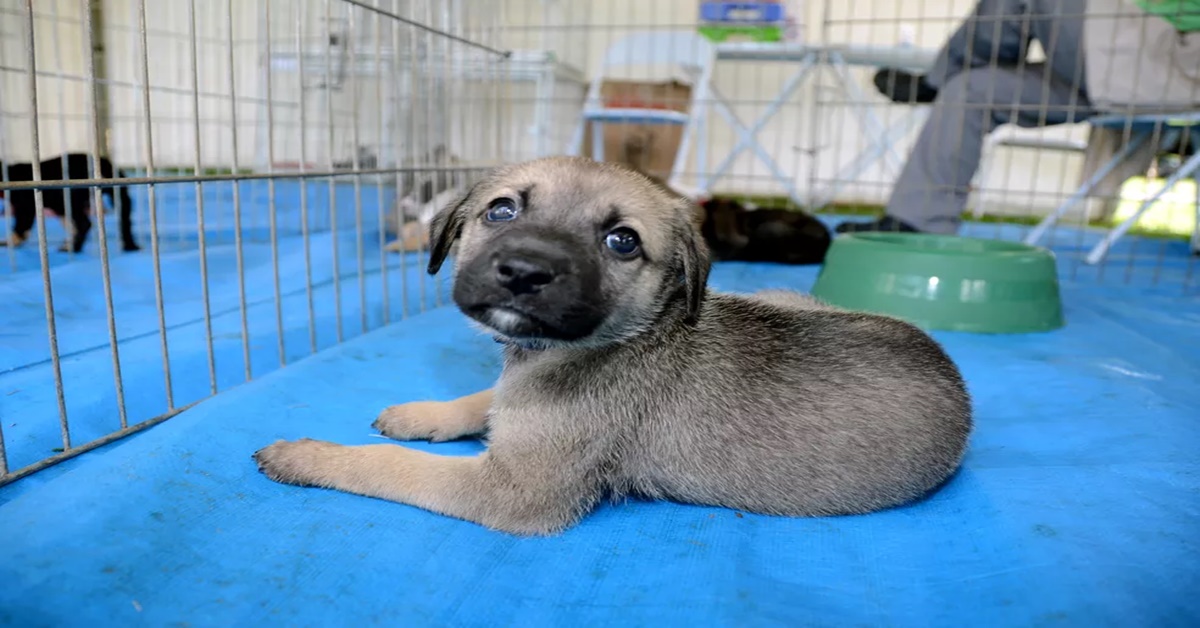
944, 282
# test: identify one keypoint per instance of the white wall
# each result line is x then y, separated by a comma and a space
63, 103
394, 110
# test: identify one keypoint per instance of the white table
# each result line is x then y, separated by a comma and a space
807, 57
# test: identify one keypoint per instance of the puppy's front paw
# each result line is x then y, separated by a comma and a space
300, 462
435, 421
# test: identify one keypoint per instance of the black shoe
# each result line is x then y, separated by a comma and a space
887, 223
904, 87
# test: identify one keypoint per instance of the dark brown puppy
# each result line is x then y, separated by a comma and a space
22, 204
734, 232
780, 236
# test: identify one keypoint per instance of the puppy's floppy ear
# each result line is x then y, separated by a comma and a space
693, 252
445, 228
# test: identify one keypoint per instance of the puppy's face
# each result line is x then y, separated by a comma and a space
568, 251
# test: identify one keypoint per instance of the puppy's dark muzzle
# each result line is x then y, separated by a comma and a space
524, 273
532, 284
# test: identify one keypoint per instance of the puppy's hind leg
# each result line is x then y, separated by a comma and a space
518, 495
436, 421
24, 218
128, 241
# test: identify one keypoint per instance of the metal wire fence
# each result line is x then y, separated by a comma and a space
282, 158
270, 150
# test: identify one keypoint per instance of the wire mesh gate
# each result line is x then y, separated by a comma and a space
271, 150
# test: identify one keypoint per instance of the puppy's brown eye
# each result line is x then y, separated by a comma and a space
623, 242
501, 210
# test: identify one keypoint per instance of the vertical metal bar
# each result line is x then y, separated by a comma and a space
498, 120
272, 218
135, 61
43, 247
262, 218
334, 230
151, 202
412, 142
380, 132
3, 454
12, 262
356, 165
200, 227
237, 194
439, 73
308, 282
69, 201
97, 204
457, 76
179, 131
454, 60
12, 249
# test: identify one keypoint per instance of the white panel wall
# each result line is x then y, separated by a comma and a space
63, 103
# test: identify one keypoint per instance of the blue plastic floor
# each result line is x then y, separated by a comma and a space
1079, 502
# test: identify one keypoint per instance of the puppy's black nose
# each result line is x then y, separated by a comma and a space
523, 275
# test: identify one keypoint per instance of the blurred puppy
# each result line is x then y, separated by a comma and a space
427, 193
736, 232
414, 234
623, 374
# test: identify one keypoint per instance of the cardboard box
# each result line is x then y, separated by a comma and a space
649, 148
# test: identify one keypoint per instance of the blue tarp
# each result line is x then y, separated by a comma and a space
1077, 504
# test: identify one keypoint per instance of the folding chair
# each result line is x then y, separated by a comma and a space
1017, 139
689, 52
1142, 128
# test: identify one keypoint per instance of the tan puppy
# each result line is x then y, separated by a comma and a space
427, 192
624, 375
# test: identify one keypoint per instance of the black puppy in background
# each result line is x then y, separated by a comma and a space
736, 233
23, 207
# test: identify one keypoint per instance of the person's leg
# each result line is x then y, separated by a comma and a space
1058, 26
997, 32
932, 189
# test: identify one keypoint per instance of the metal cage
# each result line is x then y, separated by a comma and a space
275, 151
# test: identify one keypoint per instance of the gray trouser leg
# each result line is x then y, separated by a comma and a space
983, 82
932, 190
998, 33
995, 33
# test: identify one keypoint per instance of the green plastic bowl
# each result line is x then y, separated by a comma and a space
944, 282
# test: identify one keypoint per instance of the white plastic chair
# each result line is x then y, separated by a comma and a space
1142, 128
1017, 139
686, 51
